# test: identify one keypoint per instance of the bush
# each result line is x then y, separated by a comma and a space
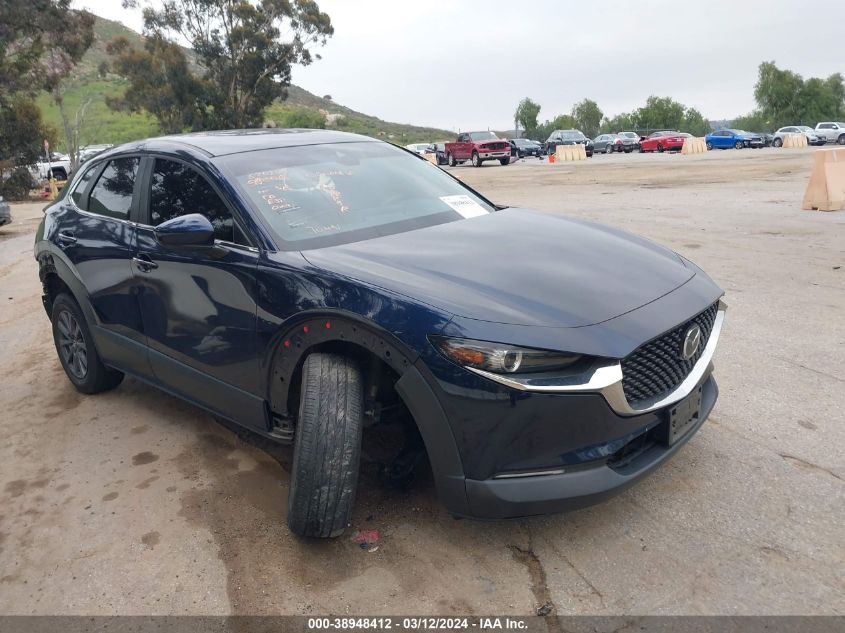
17, 185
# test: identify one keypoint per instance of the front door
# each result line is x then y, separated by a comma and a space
197, 303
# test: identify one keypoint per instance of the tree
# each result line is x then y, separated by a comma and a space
244, 50
620, 123
27, 28
785, 98
68, 35
21, 132
526, 116
587, 116
160, 82
754, 121
660, 113
694, 123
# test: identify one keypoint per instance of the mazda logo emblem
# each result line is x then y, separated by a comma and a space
692, 339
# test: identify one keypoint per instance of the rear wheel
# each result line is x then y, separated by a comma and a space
327, 448
476, 160
76, 350
777, 142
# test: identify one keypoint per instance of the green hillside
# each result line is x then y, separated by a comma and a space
102, 125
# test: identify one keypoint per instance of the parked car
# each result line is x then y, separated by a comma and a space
832, 131
478, 147
418, 148
630, 141
58, 167
604, 143
767, 138
729, 138
5, 212
89, 151
666, 140
813, 137
440, 150
568, 137
522, 147
305, 284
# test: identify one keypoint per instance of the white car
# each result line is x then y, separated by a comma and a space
832, 131
59, 165
89, 151
418, 148
813, 138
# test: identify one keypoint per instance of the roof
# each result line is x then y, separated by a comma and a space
222, 142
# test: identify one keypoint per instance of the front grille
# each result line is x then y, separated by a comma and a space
656, 368
492, 146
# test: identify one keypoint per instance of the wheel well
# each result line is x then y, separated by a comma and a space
379, 378
53, 287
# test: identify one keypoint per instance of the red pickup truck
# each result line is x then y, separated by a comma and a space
477, 147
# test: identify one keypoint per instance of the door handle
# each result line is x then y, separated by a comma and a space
144, 263
65, 238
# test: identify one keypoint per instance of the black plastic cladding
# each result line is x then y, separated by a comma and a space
656, 368
312, 332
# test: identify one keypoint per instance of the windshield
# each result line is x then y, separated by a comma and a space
483, 136
322, 195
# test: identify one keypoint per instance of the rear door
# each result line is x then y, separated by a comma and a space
95, 235
197, 303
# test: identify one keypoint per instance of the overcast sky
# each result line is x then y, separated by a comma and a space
467, 64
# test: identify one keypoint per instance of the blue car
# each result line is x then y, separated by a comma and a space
306, 284
738, 139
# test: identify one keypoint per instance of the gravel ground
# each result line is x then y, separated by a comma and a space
133, 502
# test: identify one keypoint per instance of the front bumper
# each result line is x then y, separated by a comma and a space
495, 154
588, 484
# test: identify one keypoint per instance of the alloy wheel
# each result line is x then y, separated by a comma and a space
72, 345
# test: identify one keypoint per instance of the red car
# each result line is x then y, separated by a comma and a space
663, 141
477, 147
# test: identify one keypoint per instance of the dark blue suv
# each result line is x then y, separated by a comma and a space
306, 283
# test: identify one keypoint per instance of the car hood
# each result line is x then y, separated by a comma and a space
514, 266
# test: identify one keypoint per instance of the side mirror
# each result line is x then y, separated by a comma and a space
193, 229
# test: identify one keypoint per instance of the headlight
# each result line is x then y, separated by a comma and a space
501, 358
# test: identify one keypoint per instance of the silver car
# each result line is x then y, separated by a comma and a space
607, 143
812, 137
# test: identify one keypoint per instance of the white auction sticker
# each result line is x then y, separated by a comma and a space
464, 205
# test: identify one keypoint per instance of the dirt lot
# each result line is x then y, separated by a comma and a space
133, 502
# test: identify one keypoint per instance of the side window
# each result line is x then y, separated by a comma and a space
177, 189
79, 189
826, 126
112, 195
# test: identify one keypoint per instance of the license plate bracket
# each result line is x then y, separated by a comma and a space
681, 417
